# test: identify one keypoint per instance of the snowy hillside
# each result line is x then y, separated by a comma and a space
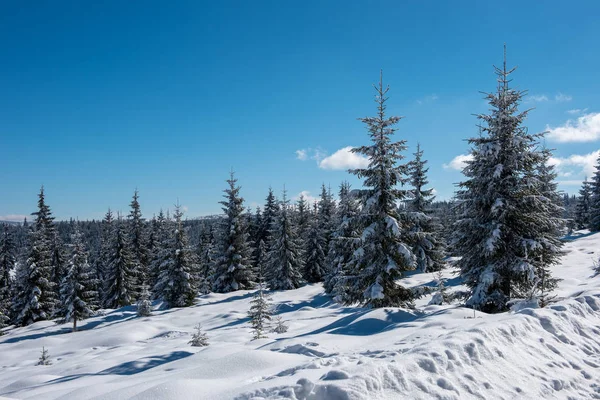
329, 352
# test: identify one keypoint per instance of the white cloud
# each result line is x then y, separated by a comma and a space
428, 99
307, 196
576, 164
14, 217
570, 183
577, 111
561, 98
584, 129
301, 154
536, 98
344, 159
459, 162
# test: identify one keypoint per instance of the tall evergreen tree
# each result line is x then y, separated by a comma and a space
36, 298
343, 243
137, 244
284, 259
503, 234
233, 264
314, 268
177, 281
206, 261
78, 295
7, 264
584, 204
161, 250
121, 279
383, 254
326, 214
425, 229
594, 223
106, 237
270, 212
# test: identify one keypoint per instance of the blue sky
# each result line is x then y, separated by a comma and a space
100, 98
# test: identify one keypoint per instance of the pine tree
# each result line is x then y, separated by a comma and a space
137, 243
584, 204
383, 254
205, 262
199, 338
7, 264
271, 210
505, 234
144, 306
36, 298
233, 264
177, 281
260, 312
314, 268
44, 358
325, 215
280, 326
107, 235
77, 289
424, 229
284, 259
121, 279
160, 257
594, 222
344, 242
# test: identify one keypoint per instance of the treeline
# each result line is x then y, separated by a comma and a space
503, 226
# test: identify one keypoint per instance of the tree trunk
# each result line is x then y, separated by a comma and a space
74, 325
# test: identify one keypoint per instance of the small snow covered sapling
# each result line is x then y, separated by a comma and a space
260, 313
144, 306
280, 325
199, 338
44, 358
441, 296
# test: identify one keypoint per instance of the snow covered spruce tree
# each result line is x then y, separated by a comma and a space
121, 279
136, 234
344, 241
425, 231
206, 261
177, 280
594, 223
233, 263
260, 312
314, 268
284, 263
584, 204
7, 264
78, 296
383, 254
506, 232
326, 215
36, 298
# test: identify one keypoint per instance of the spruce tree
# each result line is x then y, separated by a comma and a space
383, 254
205, 261
584, 204
77, 290
594, 222
144, 306
137, 243
233, 264
343, 243
160, 257
199, 338
505, 234
284, 259
177, 280
424, 229
326, 214
7, 264
121, 270
314, 268
106, 237
271, 210
36, 298
260, 312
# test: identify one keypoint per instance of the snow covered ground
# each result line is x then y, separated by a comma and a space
329, 352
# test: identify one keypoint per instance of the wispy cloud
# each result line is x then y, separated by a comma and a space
561, 98
428, 99
344, 158
584, 129
459, 162
536, 98
301, 154
577, 111
576, 164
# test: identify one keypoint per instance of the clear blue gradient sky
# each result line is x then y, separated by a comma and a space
100, 98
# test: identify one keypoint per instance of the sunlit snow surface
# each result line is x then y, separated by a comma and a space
329, 352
